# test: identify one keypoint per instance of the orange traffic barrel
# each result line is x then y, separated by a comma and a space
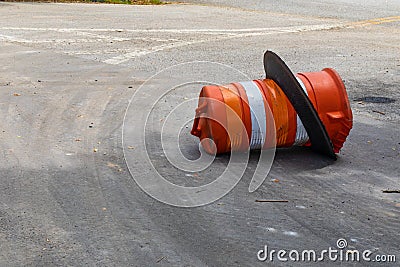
307, 109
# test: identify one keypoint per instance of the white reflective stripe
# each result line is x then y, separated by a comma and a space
258, 117
301, 133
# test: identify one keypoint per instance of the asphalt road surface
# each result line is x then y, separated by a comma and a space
67, 73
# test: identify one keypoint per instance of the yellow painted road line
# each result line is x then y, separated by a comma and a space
376, 21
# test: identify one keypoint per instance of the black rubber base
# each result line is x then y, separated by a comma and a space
279, 72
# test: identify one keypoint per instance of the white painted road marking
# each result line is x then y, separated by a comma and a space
218, 34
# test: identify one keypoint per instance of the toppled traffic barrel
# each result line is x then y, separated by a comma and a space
306, 109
